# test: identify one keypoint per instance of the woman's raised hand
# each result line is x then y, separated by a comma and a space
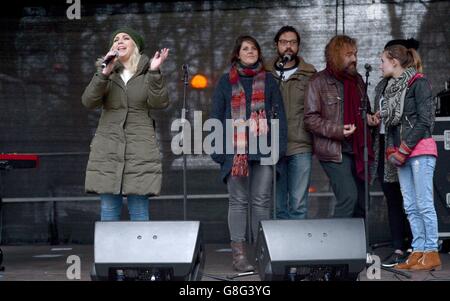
159, 58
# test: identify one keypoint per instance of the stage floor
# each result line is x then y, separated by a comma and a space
48, 263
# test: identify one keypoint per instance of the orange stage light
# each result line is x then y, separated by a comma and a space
312, 189
199, 81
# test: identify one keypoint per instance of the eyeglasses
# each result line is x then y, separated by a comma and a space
285, 42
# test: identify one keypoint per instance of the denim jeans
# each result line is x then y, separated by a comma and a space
293, 185
256, 189
398, 221
111, 207
416, 182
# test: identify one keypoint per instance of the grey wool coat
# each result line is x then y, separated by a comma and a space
124, 157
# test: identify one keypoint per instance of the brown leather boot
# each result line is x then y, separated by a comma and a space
240, 262
429, 261
412, 260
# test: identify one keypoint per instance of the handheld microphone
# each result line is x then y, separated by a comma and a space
185, 67
286, 58
109, 59
368, 67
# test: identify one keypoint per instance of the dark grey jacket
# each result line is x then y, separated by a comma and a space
418, 116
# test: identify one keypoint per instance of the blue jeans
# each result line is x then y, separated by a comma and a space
416, 183
111, 207
293, 185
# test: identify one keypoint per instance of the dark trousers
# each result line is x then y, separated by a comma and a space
256, 190
347, 187
398, 222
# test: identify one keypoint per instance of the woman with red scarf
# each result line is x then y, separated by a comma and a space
246, 97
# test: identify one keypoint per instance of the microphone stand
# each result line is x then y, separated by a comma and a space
363, 110
274, 169
185, 80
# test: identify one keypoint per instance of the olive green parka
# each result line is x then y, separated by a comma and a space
125, 157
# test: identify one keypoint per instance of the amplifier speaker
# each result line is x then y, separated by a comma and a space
314, 249
148, 250
441, 179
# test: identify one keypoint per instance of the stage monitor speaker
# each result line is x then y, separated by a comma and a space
443, 103
441, 179
314, 249
148, 251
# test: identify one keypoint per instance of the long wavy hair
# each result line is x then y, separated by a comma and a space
334, 49
134, 58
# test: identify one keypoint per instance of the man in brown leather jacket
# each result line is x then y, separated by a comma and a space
333, 116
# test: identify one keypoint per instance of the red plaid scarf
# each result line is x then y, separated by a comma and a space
257, 123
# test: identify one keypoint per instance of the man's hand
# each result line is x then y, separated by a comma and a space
349, 129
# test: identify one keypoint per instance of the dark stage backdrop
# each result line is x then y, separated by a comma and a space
47, 60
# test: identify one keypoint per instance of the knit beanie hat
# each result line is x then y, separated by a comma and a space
137, 38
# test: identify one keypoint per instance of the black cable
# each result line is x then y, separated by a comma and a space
343, 16
436, 278
396, 272
244, 274
229, 277
216, 277
336, 28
